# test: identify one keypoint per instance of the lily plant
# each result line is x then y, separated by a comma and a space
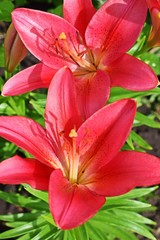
79, 163
92, 43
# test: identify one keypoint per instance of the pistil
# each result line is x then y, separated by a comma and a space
74, 158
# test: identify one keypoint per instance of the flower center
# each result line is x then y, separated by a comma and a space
83, 57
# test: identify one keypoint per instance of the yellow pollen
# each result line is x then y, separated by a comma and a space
62, 36
73, 133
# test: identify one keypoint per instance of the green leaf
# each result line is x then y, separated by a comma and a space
130, 142
37, 193
26, 228
1, 84
133, 216
95, 231
137, 193
20, 2
5, 109
22, 201
38, 101
118, 93
142, 119
152, 60
1, 56
7, 149
81, 233
57, 11
30, 235
23, 217
105, 230
14, 224
121, 233
125, 204
6, 7
18, 105
140, 46
140, 141
49, 218
46, 232
108, 218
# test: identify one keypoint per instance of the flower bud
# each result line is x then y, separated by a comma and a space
154, 37
14, 49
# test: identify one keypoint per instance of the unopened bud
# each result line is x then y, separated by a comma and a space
154, 37
14, 49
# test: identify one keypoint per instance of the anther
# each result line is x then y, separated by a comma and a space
62, 36
73, 133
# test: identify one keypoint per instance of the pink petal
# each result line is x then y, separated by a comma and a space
116, 26
40, 31
37, 76
61, 113
17, 170
92, 92
103, 134
78, 13
137, 76
28, 135
71, 205
129, 169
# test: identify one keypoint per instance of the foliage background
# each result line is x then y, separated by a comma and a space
27, 208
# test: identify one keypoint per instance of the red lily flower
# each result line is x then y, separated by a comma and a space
154, 37
93, 44
79, 163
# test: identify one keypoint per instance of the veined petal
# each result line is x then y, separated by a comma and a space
78, 13
92, 92
71, 205
28, 135
61, 113
129, 169
116, 26
103, 134
137, 76
40, 32
17, 170
37, 76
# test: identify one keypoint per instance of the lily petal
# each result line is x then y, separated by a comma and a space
37, 76
78, 13
61, 114
103, 134
17, 170
92, 92
120, 25
28, 135
137, 76
71, 205
129, 169
40, 31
